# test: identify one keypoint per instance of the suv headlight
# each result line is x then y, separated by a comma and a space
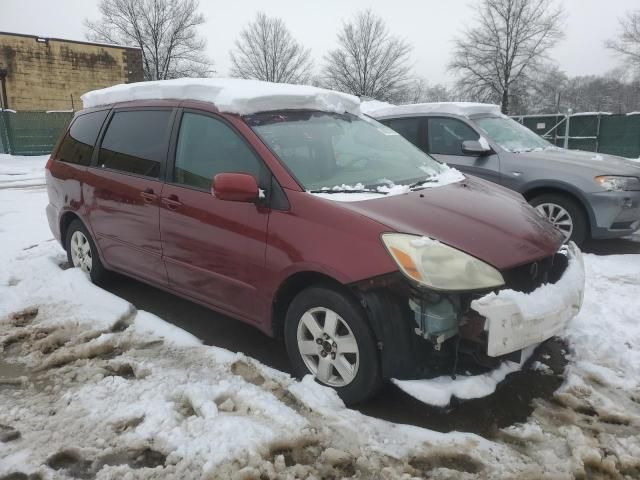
617, 183
439, 266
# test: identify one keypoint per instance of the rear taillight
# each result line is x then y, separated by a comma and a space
49, 163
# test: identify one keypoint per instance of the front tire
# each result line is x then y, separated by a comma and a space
327, 335
82, 252
564, 213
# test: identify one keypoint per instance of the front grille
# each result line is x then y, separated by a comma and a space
526, 278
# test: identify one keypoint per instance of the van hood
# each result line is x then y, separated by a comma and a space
599, 163
484, 220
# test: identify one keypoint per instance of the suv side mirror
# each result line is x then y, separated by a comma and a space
475, 148
235, 187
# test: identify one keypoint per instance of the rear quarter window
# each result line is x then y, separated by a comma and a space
136, 142
78, 143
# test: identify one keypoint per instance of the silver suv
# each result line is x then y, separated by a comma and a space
584, 194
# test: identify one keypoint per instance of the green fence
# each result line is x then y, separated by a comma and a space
597, 132
31, 133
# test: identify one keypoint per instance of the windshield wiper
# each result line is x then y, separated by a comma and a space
422, 182
340, 190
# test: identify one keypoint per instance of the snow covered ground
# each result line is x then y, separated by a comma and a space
17, 171
91, 387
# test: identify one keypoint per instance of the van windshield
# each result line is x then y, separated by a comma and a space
342, 151
510, 135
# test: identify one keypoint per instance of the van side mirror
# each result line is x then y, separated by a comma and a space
475, 148
235, 187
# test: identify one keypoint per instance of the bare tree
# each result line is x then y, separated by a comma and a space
369, 61
420, 91
267, 51
509, 40
550, 90
627, 43
165, 30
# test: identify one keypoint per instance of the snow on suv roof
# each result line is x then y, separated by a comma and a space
463, 109
230, 95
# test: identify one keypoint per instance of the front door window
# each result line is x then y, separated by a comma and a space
446, 135
208, 146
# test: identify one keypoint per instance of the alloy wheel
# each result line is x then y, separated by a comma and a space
81, 252
558, 216
328, 347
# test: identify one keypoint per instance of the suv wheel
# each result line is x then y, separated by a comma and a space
327, 336
565, 214
82, 253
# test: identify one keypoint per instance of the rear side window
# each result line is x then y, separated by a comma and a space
407, 127
208, 146
447, 134
78, 143
136, 142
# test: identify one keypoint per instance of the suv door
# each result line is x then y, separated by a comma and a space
444, 137
124, 188
214, 250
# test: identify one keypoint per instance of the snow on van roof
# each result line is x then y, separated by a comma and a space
464, 109
230, 95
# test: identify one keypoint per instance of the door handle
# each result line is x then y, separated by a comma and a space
148, 196
171, 202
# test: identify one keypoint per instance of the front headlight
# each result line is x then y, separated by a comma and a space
616, 183
439, 266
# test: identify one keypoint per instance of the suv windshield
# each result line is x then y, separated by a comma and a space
510, 135
342, 151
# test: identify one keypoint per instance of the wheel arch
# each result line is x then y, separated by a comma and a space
292, 286
536, 189
65, 220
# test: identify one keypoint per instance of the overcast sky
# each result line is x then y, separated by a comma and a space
429, 25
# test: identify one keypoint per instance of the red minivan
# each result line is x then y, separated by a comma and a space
284, 207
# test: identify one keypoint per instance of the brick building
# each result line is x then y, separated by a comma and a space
51, 74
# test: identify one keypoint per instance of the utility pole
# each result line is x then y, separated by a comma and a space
567, 126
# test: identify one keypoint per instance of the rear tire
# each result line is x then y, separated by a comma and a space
82, 252
556, 207
327, 335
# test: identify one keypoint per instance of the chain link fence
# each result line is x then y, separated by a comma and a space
31, 133
594, 132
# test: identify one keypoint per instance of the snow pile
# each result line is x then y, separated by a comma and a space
606, 335
19, 171
545, 300
463, 109
229, 95
358, 192
439, 391
369, 107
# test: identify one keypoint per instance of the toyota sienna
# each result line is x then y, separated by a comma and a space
284, 207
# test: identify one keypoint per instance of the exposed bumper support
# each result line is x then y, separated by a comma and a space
515, 320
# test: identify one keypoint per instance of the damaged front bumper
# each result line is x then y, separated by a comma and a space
515, 320
420, 331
